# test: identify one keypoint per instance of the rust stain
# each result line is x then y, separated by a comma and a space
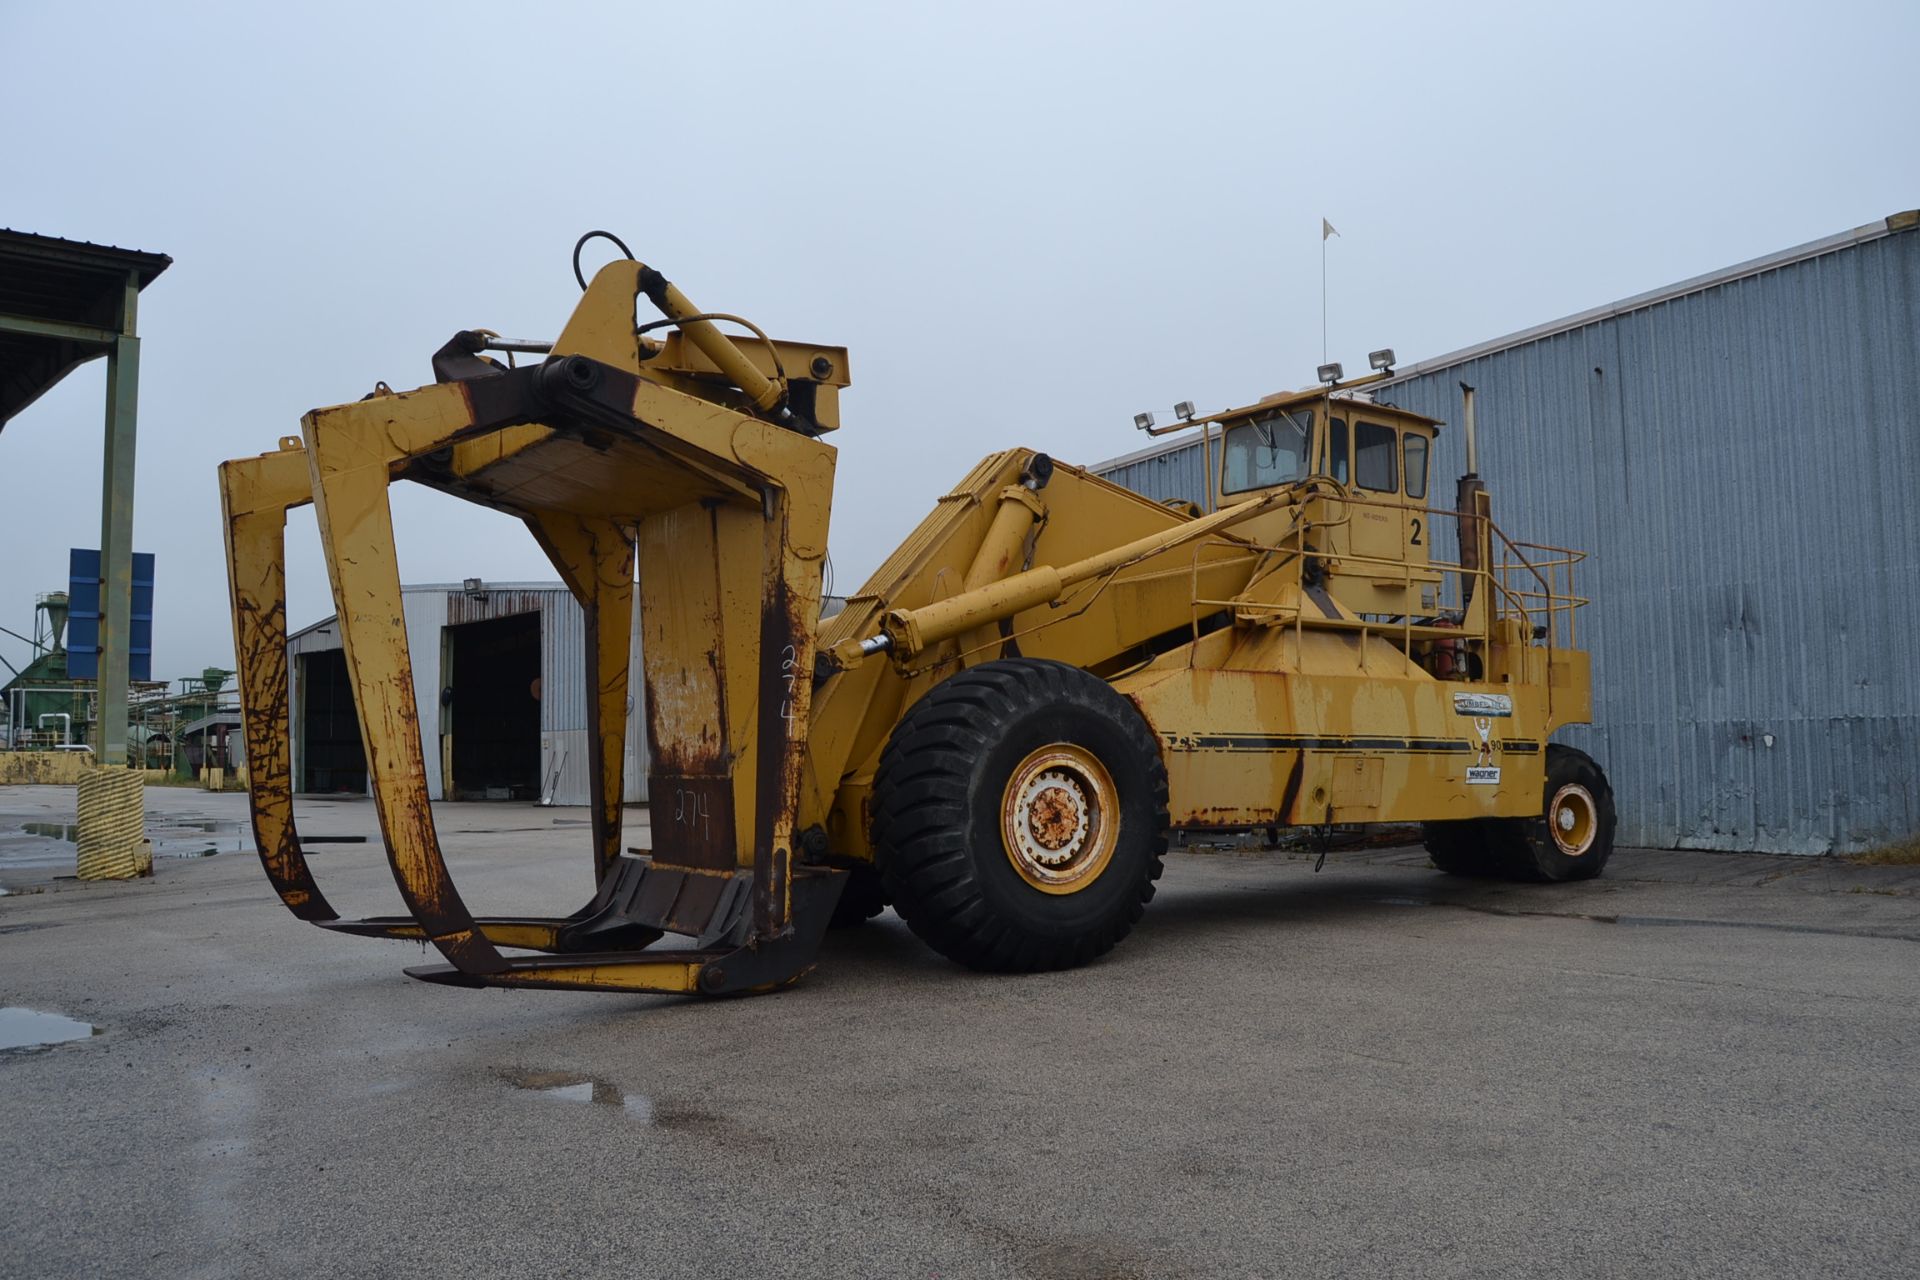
1292, 792
256, 551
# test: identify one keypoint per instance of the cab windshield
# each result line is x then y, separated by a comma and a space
1276, 449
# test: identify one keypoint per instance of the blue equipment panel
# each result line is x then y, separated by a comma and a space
84, 616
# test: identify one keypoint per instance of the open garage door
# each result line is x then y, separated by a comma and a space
490, 709
332, 761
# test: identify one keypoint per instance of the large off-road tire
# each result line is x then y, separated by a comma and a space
1571, 840
1465, 847
1573, 836
1019, 815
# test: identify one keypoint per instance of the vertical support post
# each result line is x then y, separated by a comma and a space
116, 532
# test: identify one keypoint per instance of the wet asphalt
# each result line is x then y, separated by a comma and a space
1699, 1066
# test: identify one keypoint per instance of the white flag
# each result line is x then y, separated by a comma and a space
1326, 229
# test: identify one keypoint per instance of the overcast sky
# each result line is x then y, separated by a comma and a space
1027, 222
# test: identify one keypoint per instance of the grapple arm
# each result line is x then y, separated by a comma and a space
725, 510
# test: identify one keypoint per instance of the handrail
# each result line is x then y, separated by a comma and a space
1509, 598
1511, 559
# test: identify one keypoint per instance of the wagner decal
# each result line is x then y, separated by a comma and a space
1483, 771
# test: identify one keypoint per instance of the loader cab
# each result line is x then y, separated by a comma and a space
1383, 456
1378, 543
1267, 450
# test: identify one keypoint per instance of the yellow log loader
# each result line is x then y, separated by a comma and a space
999, 731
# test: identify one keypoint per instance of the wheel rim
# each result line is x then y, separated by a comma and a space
1060, 818
1573, 819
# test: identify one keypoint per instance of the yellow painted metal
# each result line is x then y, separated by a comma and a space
256, 494
1574, 819
1002, 552
725, 514
732, 363
664, 976
527, 935
913, 630
43, 768
1303, 654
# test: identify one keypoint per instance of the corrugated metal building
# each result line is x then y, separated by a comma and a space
1740, 454
487, 729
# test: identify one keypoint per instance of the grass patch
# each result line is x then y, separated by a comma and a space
1901, 853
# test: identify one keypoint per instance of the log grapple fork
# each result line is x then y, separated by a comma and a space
692, 463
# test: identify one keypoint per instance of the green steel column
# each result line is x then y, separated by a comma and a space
116, 532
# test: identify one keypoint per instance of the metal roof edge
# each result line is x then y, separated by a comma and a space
1890, 225
1179, 441
312, 627
451, 587
84, 254
485, 585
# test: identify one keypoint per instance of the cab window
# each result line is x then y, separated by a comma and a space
1272, 450
1337, 450
1375, 458
1415, 449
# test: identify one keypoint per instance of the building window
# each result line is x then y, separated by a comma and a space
1375, 458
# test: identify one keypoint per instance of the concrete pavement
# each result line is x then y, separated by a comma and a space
1697, 1066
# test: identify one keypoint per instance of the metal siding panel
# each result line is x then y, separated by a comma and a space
563, 757
425, 612
1176, 474
563, 710
565, 693
1744, 472
563, 703
563, 664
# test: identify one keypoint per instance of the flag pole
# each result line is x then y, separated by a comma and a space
1326, 233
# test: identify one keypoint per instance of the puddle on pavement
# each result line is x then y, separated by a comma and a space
165, 846
52, 844
563, 1086
32, 1029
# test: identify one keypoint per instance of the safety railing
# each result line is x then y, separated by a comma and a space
1538, 577
1531, 583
